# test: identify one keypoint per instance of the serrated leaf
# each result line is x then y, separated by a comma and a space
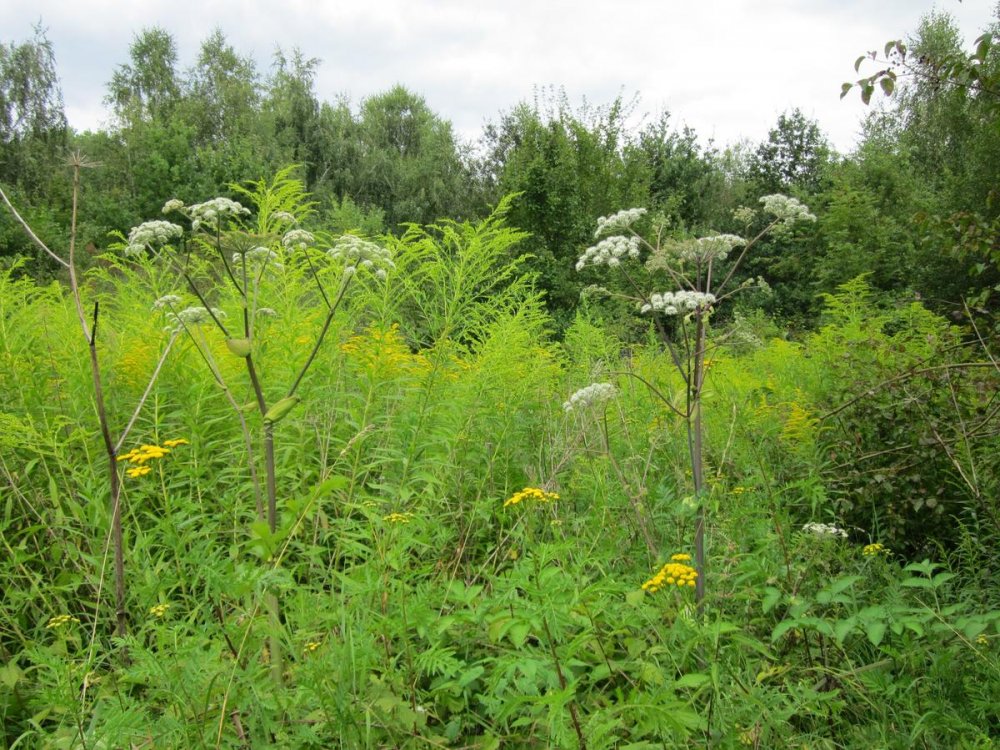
843, 628
875, 632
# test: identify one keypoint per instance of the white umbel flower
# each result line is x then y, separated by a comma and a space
593, 394
618, 221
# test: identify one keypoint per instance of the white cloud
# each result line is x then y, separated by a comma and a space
727, 68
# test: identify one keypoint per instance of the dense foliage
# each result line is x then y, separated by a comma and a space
294, 461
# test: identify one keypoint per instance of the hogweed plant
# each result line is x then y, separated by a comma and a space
219, 233
680, 313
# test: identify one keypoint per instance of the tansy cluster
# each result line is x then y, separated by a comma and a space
397, 518
531, 493
677, 572
59, 621
872, 550
141, 456
159, 610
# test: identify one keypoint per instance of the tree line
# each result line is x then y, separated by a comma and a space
914, 207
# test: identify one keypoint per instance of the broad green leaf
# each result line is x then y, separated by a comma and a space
875, 631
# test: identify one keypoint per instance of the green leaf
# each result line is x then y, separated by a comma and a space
771, 597
691, 680
518, 633
887, 84
845, 88
843, 628
635, 598
875, 632
857, 63
866, 92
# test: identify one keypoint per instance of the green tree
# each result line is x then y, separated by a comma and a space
793, 157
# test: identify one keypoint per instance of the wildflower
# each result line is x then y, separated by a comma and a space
284, 216
358, 253
151, 234
674, 303
172, 205
267, 312
675, 573
175, 442
210, 213
982, 640
593, 394
138, 471
609, 252
193, 316
310, 647
531, 493
167, 300
616, 222
785, 209
873, 550
159, 610
744, 215
59, 621
297, 239
397, 518
824, 529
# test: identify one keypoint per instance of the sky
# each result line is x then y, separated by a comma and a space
727, 68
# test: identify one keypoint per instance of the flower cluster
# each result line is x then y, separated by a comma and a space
174, 204
674, 303
873, 550
298, 239
211, 213
141, 456
677, 572
531, 493
595, 393
192, 316
159, 610
616, 222
397, 518
59, 621
310, 647
258, 255
151, 234
284, 216
609, 252
824, 529
167, 300
358, 253
718, 246
787, 210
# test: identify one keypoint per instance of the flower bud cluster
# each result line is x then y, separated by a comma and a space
174, 204
675, 303
192, 316
609, 252
298, 239
788, 210
210, 213
284, 216
167, 300
619, 221
259, 255
824, 529
593, 394
151, 234
358, 253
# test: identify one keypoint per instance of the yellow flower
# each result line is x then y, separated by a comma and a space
60, 621
138, 471
871, 550
397, 518
310, 647
531, 493
674, 573
159, 610
175, 442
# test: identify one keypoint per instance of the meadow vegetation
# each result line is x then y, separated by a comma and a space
279, 469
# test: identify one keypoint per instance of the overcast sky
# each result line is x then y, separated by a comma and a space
727, 68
